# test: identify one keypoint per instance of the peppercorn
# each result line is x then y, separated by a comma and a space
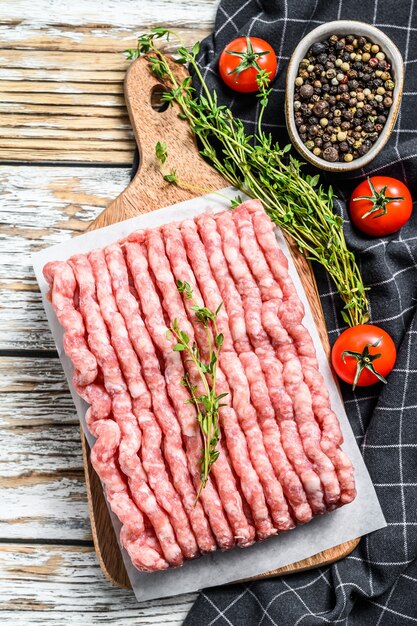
330, 154
348, 157
339, 92
306, 91
363, 149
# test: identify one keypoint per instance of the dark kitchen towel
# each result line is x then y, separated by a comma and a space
377, 583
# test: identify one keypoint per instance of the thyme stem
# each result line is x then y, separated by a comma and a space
259, 167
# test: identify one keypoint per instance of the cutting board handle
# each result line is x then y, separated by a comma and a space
148, 190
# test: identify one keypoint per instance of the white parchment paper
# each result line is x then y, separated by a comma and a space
362, 516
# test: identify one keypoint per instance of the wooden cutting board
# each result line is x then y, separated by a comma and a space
147, 192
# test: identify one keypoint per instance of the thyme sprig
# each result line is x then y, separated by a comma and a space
259, 167
208, 403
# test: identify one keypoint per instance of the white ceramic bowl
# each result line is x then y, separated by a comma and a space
393, 55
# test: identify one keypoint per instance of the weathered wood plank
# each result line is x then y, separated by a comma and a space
88, 26
56, 585
65, 122
48, 86
67, 62
31, 375
42, 486
42, 206
45, 508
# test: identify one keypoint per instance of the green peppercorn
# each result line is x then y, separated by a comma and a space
389, 85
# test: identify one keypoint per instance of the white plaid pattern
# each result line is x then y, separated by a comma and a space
377, 583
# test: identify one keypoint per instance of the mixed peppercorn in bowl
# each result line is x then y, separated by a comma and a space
344, 86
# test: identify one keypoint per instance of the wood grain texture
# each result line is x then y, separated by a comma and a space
59, 585
147, 192
62, 67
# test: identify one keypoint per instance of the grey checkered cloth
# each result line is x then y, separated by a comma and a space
377, 583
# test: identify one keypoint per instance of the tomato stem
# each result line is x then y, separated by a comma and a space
379, 200
365, 360
249, 58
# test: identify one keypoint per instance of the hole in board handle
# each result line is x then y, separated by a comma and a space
157, 103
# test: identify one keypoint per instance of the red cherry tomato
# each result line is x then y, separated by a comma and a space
242, 60
380, 205
363, 354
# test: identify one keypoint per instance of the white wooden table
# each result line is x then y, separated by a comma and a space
65, 151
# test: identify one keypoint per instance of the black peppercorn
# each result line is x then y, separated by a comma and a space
343, 146
353, 85
319, 47
363, 149
348, 115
